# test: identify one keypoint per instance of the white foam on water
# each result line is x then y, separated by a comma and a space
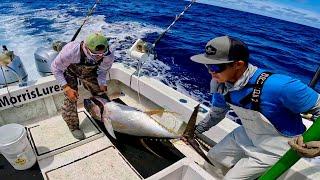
19, 35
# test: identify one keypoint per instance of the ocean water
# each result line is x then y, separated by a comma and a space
276, 45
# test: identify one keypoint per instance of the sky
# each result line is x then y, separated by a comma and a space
305, 12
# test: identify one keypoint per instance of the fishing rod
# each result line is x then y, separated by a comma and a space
174, 21
87, 17
315, 78
144, 50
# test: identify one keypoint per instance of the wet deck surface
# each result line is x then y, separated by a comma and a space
7, 172
143, 160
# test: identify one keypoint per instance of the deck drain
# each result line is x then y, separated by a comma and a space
202, 110
183, 100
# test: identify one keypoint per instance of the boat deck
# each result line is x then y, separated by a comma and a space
99, 156
7, 172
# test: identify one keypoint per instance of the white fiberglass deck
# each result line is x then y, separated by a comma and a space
52, 136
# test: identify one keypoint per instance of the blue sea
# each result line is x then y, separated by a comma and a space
276, 45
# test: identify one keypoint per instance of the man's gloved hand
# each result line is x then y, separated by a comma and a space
309, 149
71, 93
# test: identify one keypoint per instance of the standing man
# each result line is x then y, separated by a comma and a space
89, 61
269, 106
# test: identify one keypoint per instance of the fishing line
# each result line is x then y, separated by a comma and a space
174, 21
138, 80
85, 20
150, 48
137, 71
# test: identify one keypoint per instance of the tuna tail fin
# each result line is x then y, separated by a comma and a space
190, 136
191, 126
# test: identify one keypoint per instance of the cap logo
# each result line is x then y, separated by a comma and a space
210, 50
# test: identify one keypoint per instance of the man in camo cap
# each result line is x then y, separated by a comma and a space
88, 61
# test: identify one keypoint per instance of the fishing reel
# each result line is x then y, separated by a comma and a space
142, 50
58, 45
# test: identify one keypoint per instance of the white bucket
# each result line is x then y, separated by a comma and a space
15, 147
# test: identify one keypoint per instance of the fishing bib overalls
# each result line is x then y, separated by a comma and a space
253, 147
86, 72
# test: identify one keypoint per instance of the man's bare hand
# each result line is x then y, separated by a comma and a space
309, 149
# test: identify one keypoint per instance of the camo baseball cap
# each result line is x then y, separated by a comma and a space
222, 50
95, 40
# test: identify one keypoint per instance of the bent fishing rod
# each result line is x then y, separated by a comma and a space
85, 20
174, 21
150, 48
315, 78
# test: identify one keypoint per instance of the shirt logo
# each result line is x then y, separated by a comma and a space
210, 50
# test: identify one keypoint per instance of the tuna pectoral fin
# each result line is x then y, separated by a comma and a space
189, 134
158, 111
148, 148
108, 125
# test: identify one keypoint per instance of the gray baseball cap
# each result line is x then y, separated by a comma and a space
223, 50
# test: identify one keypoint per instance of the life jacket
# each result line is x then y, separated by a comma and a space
260, 94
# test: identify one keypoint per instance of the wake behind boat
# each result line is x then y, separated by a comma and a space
59, 155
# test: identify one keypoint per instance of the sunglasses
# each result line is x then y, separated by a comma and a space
105, 53
216, 68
